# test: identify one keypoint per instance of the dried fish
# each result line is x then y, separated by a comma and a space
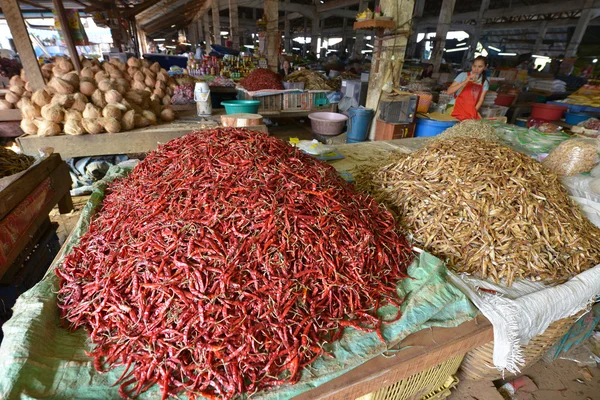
469, 128
488, 210
312, 80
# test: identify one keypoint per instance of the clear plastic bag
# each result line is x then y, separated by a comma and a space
572, 157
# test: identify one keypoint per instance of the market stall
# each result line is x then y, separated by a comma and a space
435, 303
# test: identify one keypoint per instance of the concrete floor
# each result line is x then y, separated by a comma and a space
560, 380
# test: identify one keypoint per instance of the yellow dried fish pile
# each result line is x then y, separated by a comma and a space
312, 80
490, 211
336, 82
469, 128
12, 163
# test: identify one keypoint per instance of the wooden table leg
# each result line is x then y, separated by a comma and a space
65, 204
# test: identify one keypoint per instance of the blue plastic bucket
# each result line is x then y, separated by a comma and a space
428, 127
575, 118
359, 121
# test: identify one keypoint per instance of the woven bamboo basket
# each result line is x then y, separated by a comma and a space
429, 384
478, 363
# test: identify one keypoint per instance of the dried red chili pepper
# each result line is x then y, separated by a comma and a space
224, 262
261, 79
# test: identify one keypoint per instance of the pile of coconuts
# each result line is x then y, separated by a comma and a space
110, 97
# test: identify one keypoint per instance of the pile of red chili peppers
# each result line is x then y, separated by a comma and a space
224, 262
260, 79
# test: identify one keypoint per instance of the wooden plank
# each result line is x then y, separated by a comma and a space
138, 8
335, 4
374, 24
420, 351
14, 18
61, 184
135, 141
216, 24
15, 188
66, 32
10, 115
393, 48
273, 35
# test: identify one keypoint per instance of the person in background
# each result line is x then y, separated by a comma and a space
229, 43
200, 51
427, 71
469, 89
286, 68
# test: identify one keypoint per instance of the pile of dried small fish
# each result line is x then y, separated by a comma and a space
490, 211
12, 163
470, 129
312, 80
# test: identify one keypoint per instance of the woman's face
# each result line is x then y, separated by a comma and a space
286, 64
478, 67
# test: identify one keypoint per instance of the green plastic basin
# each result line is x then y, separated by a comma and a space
241, 106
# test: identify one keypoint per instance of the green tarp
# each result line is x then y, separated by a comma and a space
40, 359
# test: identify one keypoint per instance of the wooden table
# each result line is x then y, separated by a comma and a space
420, 351
134, 141
26, 199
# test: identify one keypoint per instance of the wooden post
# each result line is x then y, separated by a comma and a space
314, 35
273, 38
206, 26
344, 43
287, 40
476, 34
66, 32
359, 42
191, 33
15, 21
392, 54
444, 21
540, 39
234, 23
216, 23
142, 40
305, 45
412, 41
582, 25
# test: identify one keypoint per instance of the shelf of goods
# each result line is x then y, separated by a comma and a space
26, 199
586, 99
429, 354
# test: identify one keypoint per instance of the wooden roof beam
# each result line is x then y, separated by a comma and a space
32, 4
132, 12
554, 7
336, 4
176, 16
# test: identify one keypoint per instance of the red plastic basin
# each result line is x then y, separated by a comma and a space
549, 112
504, 99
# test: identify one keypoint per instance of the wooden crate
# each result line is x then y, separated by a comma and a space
385, 131
319, 101
26, 199
296, 101
270, 103
425, 384
421, 351
29, 268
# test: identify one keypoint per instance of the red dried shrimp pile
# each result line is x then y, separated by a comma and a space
224, 262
